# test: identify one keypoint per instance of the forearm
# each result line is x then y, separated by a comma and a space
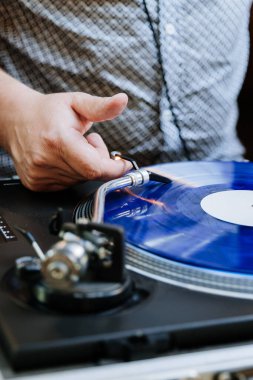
14, 101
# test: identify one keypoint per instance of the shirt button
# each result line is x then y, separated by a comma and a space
170, 29
166, 115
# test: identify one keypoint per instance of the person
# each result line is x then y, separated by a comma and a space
181, 64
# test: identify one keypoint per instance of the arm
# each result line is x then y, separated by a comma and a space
44, 135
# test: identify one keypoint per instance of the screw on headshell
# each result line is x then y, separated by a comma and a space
33, 242
118, 155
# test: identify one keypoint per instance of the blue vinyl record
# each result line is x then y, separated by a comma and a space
167, 220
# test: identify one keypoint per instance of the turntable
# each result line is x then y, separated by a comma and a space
158, 265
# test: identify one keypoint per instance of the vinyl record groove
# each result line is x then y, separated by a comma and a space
170, 235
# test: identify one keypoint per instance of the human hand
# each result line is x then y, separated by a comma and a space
46, 142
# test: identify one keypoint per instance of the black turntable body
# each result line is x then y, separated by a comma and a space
157, 319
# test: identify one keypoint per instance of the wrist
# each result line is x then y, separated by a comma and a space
15, 100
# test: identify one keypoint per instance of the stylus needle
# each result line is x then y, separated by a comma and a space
158, 178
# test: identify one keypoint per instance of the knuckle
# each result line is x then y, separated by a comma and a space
32, 184
32, 174
50, 141
93, 173
37, 161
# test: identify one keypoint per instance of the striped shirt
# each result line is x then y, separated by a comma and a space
181, 63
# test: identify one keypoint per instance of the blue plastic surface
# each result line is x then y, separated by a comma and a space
168, 221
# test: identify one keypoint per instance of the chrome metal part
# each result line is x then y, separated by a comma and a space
135, 178
67, 261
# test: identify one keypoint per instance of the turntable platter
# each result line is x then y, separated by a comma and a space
169, 234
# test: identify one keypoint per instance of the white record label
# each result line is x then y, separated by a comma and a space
233, 206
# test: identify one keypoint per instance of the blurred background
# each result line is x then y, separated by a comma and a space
245, 122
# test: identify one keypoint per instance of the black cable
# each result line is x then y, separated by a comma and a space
166, 86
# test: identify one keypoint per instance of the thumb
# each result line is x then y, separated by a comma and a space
95, 108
